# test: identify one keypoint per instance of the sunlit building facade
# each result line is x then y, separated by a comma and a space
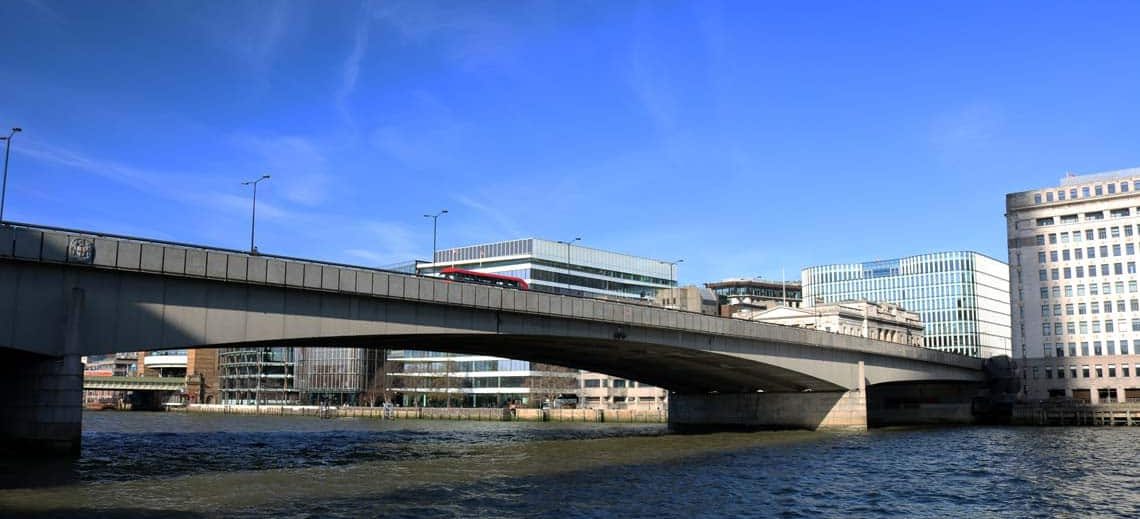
560, 267
257, 375
1075, 299
962, 297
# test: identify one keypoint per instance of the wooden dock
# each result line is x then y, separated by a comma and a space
1112, 415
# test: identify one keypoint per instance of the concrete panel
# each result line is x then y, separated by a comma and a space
275, 272
364, 282
140, 310
468, 298
236, 267
330, 278
381, 285
313, 275
294, 274
495, 298
454, 293
129, 255
412, 288
216, 265
151, 257
266, 317
439, 292
225, 313
531, 301
509, 297
347, 281
28, 243
105, 251
257, 269
184, 316
304, 311
55, 246
395, 285
543, 303
195, 262
174, 260
576, 308
427, 289
7, 241
336, 315
39, 311
482, 296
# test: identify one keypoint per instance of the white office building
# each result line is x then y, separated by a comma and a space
962, 297
1074, 295
560, 267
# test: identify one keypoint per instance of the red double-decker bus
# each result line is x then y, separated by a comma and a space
483, 278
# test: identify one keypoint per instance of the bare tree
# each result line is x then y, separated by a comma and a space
548, 381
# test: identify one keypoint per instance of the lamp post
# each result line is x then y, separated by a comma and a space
7, 148
434, 227
576, 238
253, 219
673, 271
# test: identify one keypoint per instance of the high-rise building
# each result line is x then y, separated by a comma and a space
1074, 295
561, 267
961, 296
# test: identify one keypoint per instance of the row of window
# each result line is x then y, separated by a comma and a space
1085, 372
1092, 216
1059, 349
1072, 327
1087, 191
1100, 233
1127, 249
615, 383
1106, 269
1095, 307
926, 264
1094, 289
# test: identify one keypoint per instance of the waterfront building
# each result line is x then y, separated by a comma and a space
560, 267
962, 297
202, 383
754, 295
688, 299
163, 363
257, 375
1075, 301
339, 376
880, 321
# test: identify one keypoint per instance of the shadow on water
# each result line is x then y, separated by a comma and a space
107, 513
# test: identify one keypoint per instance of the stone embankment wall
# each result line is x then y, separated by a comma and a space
440, 413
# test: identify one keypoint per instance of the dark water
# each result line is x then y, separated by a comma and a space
176, 465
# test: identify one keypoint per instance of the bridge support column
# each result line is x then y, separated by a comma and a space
819, 410
41, 400
41, 397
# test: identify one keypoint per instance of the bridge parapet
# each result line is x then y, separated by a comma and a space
94, 250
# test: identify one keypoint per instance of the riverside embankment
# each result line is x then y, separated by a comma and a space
439, 413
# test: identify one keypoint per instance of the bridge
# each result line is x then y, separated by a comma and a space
67, 293
134, 383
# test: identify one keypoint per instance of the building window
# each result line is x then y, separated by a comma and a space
1037, 198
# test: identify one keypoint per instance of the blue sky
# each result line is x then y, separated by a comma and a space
746, 138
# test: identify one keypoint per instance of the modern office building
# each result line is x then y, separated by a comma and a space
880, 321
339, 376
560, 267
1075, 301
257, 375
961, 296
755, 295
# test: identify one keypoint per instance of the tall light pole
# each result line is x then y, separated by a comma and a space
7, 148
576, 238
434, 227
253, 219
673, 271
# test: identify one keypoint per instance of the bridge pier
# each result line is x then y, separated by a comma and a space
817, 410
42, 405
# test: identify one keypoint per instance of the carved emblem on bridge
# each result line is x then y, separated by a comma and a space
81, 250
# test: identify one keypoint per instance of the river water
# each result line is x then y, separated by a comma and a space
188, 465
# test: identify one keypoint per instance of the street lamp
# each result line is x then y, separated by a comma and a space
253, 220
7, 148
673, 271
577, 238
434, 226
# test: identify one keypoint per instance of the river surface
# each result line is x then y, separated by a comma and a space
197, 465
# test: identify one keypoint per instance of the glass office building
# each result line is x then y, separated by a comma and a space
339, 375
1075, 300
257, 375
962, 297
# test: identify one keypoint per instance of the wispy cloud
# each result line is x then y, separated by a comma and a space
508, 226
297, 166
350, 74
391, 242
430, 141
472, 37
646, 77
250, 32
